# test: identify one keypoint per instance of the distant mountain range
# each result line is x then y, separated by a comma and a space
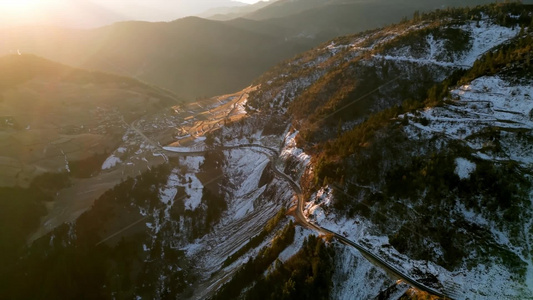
234, 12
195, 57
97, 13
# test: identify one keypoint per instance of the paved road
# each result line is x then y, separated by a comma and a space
273, 155
374, 259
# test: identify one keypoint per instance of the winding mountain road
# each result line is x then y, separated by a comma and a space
273, 155
300, 216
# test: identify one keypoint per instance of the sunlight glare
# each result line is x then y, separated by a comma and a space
18, 6
21, 12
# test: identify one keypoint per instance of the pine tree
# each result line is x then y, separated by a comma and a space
416, 15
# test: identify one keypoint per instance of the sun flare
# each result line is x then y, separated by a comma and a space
18, 6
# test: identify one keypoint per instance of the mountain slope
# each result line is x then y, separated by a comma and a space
197, 58
53, 114
57, 126
192, 57
285, 8
416, 184
228, 13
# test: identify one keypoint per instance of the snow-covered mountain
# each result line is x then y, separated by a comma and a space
411, 129
412, 141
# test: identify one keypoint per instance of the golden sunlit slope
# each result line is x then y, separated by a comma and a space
192, 57
51, 114
195, 57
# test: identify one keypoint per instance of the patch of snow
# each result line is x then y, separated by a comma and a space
143, 212
110, 162
464, 167
334, 49
356, 278
291, 149
121, 150
314, 209
193, 163
243, 208
490, 281
484, 38
185, 149
487, 102
168, 193
241, 106
194, 190
67, 167
492, 104
299, 237
192, 249
422, 61
487, 281
245, 170
528, 226
471, 216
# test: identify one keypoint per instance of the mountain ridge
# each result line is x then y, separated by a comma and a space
183, 62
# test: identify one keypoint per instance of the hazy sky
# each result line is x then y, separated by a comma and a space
90, 13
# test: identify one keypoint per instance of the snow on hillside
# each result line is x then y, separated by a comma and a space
281, 89
483, 36
464, 167
193, 186
170, 191
299, 236
110, 162
483, 281
356, 278
245, 168
189, 182
291, 150
504, 109
486, 102
248, 211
